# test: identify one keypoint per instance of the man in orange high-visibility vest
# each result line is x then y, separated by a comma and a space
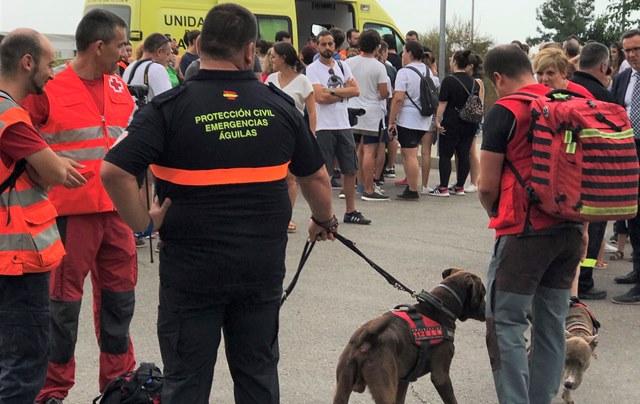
30, 244
82, 113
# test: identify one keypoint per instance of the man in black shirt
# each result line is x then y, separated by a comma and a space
220, 146
592, 75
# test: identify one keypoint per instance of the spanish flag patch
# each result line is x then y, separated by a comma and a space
230, 95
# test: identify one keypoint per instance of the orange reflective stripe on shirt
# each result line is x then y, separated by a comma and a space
221, 176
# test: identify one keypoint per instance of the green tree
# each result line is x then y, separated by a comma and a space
562, 18
458, 37
619, 17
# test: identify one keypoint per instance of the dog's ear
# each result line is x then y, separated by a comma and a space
592, 341
476, 293
450, 271
567, 334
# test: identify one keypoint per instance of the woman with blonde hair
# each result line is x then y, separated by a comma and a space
551, 67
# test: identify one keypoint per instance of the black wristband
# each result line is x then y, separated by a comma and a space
330, 225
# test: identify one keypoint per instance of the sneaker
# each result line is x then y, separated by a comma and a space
471, 188
608, 248
335, 184
593, 294
360, 189
374, 196
140, 243
341, 194
53, 400
376, 188
408, 195
158, 246
401, 183
456, 190
389, 172
355, 217
613, 239
425, 190
440, 191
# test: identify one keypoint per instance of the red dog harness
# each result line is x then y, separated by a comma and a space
422, 329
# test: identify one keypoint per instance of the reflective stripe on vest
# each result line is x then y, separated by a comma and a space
29, 237
81, 134
221, 176
76, 129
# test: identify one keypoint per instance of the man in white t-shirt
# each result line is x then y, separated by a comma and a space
333, 84
371, 76
151, 70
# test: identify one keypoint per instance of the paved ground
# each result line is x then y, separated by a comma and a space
338, 291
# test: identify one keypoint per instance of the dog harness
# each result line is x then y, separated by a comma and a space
577, 325
425, 332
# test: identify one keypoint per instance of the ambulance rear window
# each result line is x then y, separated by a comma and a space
123, 12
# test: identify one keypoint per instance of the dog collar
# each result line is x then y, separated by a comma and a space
426, 297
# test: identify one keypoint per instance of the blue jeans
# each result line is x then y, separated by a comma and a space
24, 336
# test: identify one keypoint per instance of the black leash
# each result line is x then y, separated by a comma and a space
392, 281
306, 252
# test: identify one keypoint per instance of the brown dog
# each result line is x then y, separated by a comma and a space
582, 339
383, 355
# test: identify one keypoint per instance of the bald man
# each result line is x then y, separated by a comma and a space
29, 248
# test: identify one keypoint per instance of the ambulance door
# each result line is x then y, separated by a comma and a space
128, 10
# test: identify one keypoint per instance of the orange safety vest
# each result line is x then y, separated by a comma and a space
29, 237
513, 202
75, 129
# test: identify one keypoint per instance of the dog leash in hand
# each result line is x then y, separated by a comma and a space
306, 252
390, 279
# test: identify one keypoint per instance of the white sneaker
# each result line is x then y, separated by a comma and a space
341, 194
425, 190
376, 188
608, 248
471, 188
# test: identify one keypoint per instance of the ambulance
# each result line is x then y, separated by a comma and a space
302, 18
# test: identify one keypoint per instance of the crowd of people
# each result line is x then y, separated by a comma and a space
226, 134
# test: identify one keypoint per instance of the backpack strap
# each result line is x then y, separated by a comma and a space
341, 68
426, 78
146, 71
463, 86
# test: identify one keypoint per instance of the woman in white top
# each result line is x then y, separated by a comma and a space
405, 118
284, 59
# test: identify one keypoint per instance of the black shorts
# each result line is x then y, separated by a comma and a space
409, 138
366, 136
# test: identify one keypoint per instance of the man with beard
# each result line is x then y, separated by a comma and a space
82, 113
333, 84
28, 251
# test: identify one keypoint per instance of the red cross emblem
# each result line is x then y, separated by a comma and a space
115, 84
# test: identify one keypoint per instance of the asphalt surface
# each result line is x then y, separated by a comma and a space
338, 291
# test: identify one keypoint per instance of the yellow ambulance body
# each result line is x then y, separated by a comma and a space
302, 18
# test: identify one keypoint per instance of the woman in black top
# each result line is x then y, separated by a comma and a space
456, 135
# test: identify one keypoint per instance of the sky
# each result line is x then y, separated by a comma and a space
493, 18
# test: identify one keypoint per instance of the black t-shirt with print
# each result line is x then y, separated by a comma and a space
221, 236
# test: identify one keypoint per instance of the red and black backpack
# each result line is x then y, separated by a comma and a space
585, 163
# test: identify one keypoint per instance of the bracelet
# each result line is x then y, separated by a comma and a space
330, 225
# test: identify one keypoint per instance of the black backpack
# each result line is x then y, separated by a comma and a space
428, 94
142, 386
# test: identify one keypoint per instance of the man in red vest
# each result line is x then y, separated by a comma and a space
80, 116
535, 256
30, 243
